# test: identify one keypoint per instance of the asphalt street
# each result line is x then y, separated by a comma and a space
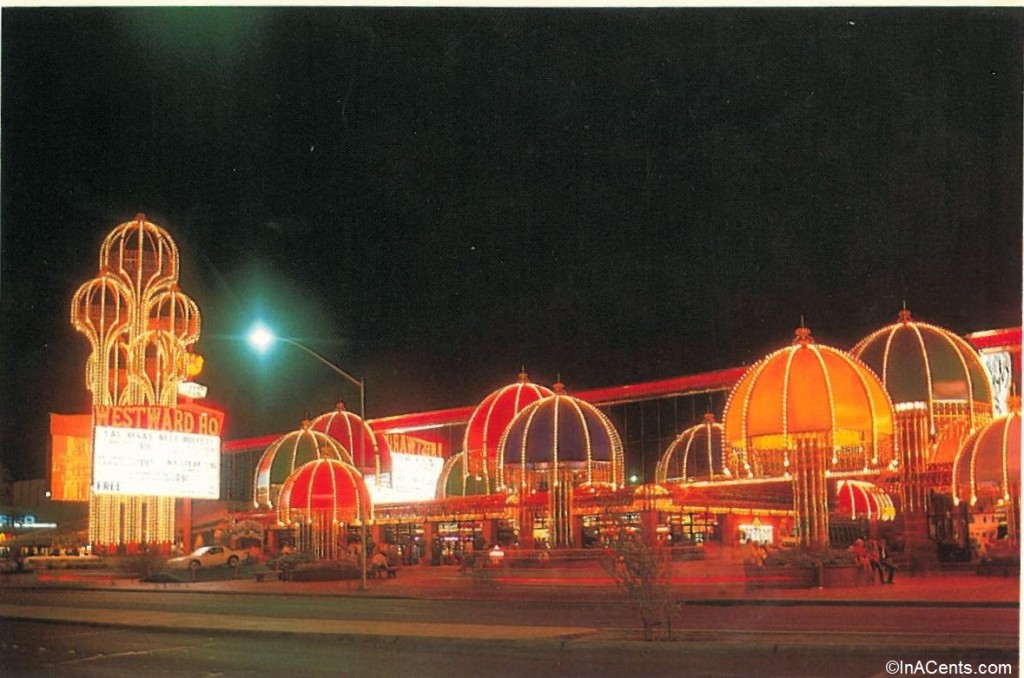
438, 622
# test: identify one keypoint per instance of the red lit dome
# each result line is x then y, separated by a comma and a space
988, 464
859, 499
328, 489
288, 453
368, 455
560, 432
808, 390
922, 363
696, 454
490, 419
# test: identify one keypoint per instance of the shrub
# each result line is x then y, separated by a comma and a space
643, 572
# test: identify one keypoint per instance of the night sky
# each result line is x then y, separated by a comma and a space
432, 198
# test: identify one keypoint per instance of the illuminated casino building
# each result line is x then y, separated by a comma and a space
913, 434
815, 448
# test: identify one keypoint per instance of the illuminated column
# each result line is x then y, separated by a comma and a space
577, 529
186, 523
489, 531
728, 526
526, 540
1013, 516
810, 497
428, 542
649, 525
560, 509
912, 425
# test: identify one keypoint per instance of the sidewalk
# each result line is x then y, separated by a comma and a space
703, 582
350, 629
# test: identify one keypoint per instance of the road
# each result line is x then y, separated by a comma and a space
32, 649
711, 640
965, 621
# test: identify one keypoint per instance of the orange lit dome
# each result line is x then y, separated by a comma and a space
808, 391
696, 454
330, 490
356, 436
560, 432
288, 453
490, 419
921, 363
988, 464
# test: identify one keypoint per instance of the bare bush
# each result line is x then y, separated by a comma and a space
643, 572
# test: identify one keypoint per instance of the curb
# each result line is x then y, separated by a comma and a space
514, 594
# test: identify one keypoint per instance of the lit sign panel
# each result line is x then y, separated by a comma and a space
70, 457
157, 451
191, 389
407, 443
27, 522
1000, 372
413, 478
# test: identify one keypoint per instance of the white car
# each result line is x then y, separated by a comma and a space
208, 556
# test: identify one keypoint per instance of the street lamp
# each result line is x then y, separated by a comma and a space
261, 338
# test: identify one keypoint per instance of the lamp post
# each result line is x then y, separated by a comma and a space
261, 338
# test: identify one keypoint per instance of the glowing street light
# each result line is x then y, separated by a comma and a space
261, 338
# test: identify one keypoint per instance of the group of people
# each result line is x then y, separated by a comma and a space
873, 556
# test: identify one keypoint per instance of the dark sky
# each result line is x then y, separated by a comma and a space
433, 197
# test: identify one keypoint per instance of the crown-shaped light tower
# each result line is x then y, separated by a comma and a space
140, 328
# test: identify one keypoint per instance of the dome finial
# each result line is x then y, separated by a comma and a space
803, 335
306, 423
709, 417
523, 376
558, 387
340, 405
905, 316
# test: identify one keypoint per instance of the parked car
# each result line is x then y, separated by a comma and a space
208, 556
